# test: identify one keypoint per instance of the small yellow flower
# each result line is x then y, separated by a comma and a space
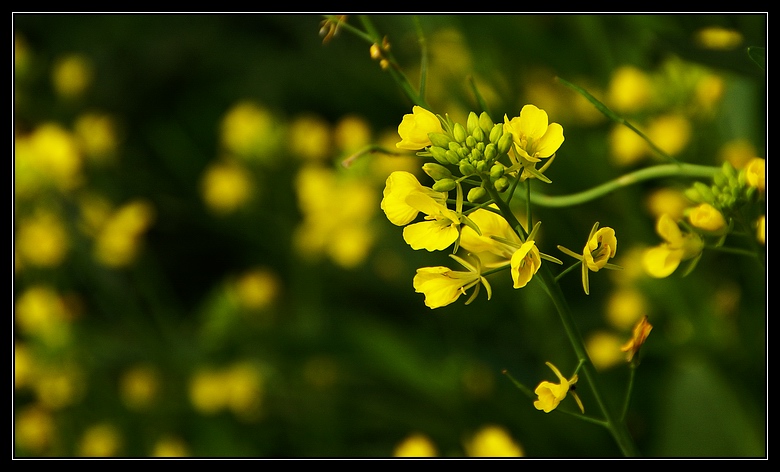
399, 185
441, 228
660, 261
442, 285
534, 139
707, 217
755, 173
497, 241
600, 248
415, 127
551, 394
525, 263
641, 331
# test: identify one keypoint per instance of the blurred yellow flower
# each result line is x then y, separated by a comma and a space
42, 240
100, 440
35, 429
351, 133
626, 147
207, 391
72, 75
170, 446
59, 386
761, 229
41, 312
249, 130
24, 366
667, 200
551, 394
493, 441
662, 260
257, 288
630, 89
671, 133
51, 156
238, 387
639, 336
97, 136
118, 241
226, 186
706, 217
415, 445
737, 152
415, 127
138, 387
624, 307
604, 349
525, 263
716, 37
310, 138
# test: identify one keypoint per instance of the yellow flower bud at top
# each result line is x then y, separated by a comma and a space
414, 129
707, 217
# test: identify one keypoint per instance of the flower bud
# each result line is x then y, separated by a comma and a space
472, 123
704, 192
439, 154
459, 133
436, 171
444, 185
466, 168
475, 155
479, 135
485, 123
497, 171
504, 143
476, 194
501, 184
481, 166
439, 139
452, 157
496, 133
471, 142
490, 152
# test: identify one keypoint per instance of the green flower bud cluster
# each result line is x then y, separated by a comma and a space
728, 191
474, 149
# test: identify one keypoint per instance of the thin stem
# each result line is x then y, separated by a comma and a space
616, 427
654, 172
629, 389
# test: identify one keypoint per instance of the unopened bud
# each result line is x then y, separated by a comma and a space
436, 171
471, 141
476, 194
496, 132
501, 184
490, 152
444, 185
472, 123
505, 143
439, 139
466, 168
452, 157
497, 171
459, 133
439, 154
485, 123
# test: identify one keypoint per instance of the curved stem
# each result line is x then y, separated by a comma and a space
655, 172
615, 426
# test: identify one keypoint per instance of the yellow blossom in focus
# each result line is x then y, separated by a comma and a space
442, 285
415, 127
398, 187
640, 333
34, 429
600, 248
226, 186
706, 217
310, 138
667, 200
604, 349
525, 263
755, 173
662, 260
72, 75
138, 387
170, 446
719, 38
97, 136
626, 147
415, 445
671, 133
100, 440
493, 441
551, 394
440, 229
629, 89
624, 307
533, 137
42, 240
484, 245
119, 240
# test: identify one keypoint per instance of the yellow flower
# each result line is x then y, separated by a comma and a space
399, 185
439, 231
629, 89
414, 129
600, 248
761, 229
415, 445
534, 139
551, 394
641, 331
497, 241
525, 263
755, 173
707, 217
100, 440
442, 285
226, 186
662, 260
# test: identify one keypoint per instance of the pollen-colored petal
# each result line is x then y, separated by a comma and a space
430, 235
397, 187
667, 228
525, 263
441, 285
414, 129
661, 261
533, 122
550, 142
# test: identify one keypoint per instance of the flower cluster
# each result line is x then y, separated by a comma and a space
716, 208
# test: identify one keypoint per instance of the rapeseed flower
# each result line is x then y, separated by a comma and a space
399, 185
706, 217
493, 441
551, 394
662, 260
442, 285
640, 333
525, 263
600, 248
415, 127
533, 139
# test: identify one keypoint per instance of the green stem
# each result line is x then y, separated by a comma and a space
629, 389
615, 426
655, 172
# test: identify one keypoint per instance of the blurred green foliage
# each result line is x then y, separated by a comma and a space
330, 353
